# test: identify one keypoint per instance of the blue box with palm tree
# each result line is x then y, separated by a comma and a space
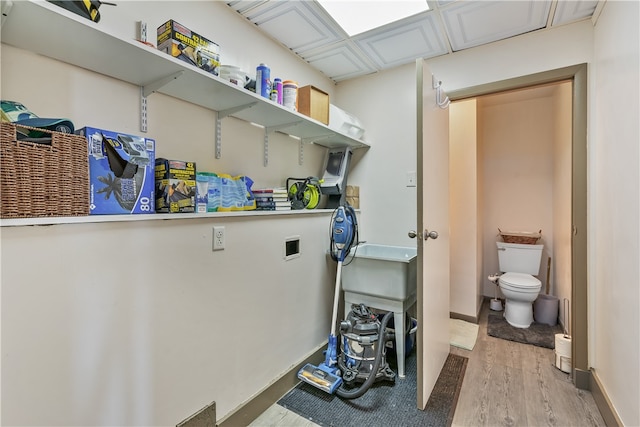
121, 172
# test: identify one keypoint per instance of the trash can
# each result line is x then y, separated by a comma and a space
545, 310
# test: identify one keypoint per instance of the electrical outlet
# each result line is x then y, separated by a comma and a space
218, 238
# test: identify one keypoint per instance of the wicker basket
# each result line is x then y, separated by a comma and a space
39, 180
523, 238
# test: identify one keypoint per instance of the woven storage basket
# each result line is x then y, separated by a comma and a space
522, 238
39, 180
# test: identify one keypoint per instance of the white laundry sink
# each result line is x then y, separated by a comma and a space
381, 271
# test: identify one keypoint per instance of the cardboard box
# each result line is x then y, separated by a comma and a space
314, 103
180, 42
121, 172
352, 196
175, 186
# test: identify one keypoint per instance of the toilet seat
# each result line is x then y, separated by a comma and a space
520, 281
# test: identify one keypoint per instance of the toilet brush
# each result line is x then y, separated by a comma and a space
496, 304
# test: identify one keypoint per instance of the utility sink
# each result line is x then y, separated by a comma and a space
381, 271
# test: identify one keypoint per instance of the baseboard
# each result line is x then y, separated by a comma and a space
252, 409
582, 379
603, 403
472, 319
206, 417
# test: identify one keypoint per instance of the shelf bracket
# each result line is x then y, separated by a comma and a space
221, 115
229, 111
301, 153
152, 87
147, 90
266, 148
276, 128
143, 111
270, 129
313, 139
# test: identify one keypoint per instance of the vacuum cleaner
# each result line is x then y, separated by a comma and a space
364, 336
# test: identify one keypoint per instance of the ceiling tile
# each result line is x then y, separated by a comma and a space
471, 24
570, 11
304, 27
340, 61
299, 25
402, 42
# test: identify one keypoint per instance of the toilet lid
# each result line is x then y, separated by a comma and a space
520, 280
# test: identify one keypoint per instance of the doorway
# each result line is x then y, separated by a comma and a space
510, 163
577, 75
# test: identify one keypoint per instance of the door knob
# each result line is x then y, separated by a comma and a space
427, 234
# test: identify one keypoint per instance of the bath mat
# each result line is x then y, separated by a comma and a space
538, 334
462, 334
385, 403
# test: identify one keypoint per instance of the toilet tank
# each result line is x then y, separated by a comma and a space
517, 258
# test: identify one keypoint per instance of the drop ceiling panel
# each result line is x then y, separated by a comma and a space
340, 61
471, 24
569, 11
304, 27
299, 25
404, 41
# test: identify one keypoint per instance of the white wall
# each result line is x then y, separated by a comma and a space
386, 104
140, 323
614, 243
517, 156
466, 230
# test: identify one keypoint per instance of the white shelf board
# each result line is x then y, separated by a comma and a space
21, 222
51, 31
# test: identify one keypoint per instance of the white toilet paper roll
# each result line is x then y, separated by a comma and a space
563, 353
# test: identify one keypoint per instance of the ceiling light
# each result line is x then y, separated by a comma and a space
358, 16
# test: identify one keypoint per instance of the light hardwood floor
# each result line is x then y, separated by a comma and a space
505, 384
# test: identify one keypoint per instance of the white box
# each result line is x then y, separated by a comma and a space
341, 121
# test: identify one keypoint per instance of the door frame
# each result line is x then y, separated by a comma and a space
579, 286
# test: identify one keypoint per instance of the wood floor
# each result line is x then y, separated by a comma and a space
505, 384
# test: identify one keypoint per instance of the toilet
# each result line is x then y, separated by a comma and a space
519, 263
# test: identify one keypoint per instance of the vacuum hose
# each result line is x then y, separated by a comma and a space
353, 394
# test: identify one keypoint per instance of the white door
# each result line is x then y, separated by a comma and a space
432, 234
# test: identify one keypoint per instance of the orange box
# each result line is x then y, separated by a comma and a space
314, 103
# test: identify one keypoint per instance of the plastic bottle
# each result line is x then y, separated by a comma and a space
290, 94
263, 80
277, 87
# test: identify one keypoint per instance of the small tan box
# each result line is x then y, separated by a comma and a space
353, 201
353, 196
314, 103
353, 191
